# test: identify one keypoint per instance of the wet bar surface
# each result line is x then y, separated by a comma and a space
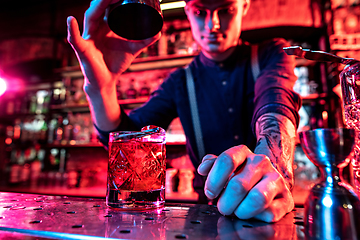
31, 216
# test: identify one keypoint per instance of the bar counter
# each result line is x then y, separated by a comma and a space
32, 216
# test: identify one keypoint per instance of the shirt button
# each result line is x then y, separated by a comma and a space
224, 83
230, 110
236, 137
221, 64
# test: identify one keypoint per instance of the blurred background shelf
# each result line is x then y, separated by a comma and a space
46, 105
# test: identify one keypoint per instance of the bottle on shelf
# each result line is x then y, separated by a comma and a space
43, 130
76, 132
33, 104
59, 131
131, 92
25, 105
15, 167
54, 159
145, 90
67, 130
17, 129
119, 91
185, 181
58, 94
51, 130
86, 129
36, 166
29, 155
42, 101
9, 135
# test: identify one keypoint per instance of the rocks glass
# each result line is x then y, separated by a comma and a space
136, 169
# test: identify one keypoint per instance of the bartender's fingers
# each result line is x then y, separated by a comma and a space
270, 197
259, 197
94, 15
74, 37
206, 164
277, 210
224, 166
242, 184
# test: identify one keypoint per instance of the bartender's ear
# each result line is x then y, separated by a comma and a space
246, 7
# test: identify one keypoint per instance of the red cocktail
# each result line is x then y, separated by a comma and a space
136, 170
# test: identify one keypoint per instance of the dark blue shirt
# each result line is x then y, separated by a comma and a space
229, 100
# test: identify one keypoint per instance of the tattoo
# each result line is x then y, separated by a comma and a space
276, 139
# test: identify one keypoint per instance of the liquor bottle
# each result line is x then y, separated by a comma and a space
67, 129
54, 159
17, 129
33, 104
15, 167
145, 90
42, 133
35, 167
55, 96
10, 107
59, 132
131, 92
118, 91
51, 132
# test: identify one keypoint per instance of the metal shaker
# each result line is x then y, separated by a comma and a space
332, 209
135, 19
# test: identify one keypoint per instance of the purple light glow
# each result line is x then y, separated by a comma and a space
2, 86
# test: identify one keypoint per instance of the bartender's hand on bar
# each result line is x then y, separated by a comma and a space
255, 185
103, 56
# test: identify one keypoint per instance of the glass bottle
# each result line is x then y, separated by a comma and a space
131, 92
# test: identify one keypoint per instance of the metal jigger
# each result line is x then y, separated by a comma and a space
332, 209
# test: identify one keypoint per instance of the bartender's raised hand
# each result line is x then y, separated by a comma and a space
248, 184
103, 55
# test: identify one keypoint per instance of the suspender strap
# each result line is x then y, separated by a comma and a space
195, 113
255, 62
193, 103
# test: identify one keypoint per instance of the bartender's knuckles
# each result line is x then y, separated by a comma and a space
259, 199
238, 186
274, 177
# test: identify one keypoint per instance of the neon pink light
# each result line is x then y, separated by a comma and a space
2, 86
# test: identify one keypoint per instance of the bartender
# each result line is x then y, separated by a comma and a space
247, 121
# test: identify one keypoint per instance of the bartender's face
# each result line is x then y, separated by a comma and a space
216, 25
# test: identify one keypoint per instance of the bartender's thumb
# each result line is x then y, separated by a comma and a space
73, 33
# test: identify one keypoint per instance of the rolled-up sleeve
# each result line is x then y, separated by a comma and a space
273, 91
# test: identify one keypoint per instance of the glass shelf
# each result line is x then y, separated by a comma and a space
139, 64
85, 106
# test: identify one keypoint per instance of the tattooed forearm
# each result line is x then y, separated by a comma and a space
276, 139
